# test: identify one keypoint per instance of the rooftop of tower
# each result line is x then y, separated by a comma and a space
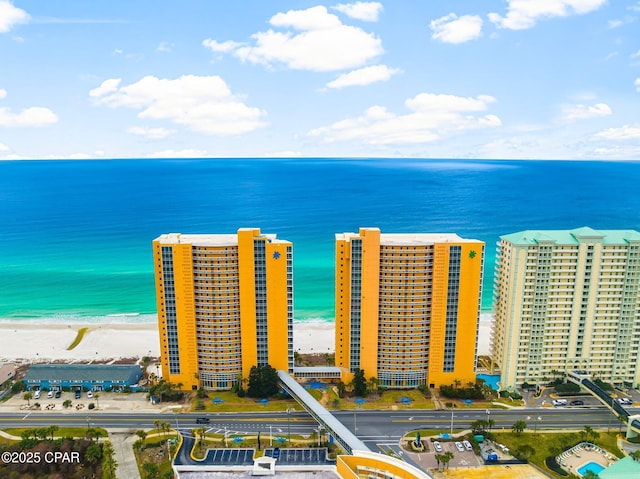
574, 236
411, 239
210, 239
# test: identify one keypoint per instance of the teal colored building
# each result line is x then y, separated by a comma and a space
94, 377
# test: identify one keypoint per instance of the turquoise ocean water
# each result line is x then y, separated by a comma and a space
75, 236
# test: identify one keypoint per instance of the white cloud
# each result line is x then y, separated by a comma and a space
365, 11
620, 22
108, 86
204, 104
221, 46
323, 43
431, 117
363, 76
150, 133
625, 132
635, 8
187, 153
454, 29
584, 112
523, 14
285, 154
164, 47
4, 147
637, 84
33, 116
10, 16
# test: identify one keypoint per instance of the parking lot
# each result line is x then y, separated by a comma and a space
463, 458
229, 457
299, 456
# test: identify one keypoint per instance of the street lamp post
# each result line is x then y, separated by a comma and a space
289, 411
452, 420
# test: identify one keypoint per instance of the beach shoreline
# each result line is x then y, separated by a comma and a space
31, 342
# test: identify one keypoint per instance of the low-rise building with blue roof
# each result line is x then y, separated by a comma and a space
94, 377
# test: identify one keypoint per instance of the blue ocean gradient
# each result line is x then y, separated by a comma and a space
75, 236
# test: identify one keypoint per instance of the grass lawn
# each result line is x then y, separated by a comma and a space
61, 432
551, 444
388, 399
232, 403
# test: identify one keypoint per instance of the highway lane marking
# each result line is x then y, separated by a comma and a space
28, 414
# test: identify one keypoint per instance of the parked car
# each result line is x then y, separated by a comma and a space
467, 445
202, 420
58, 394
78, 394
89, 394
36, 394
459, 446
437, 446
577, 402
625, 401
559, 402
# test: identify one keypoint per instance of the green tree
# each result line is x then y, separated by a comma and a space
635, 455
27, 397
67, 403
52, 430
359, 383
93, 454
109, 460
479, 426
518, 427
151, 470
341, 387
263, 381
142, 434
447, 456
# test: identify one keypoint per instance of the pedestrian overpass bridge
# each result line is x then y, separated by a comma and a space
583, 378
347, 440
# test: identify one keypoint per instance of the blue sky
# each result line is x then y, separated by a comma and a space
450, 79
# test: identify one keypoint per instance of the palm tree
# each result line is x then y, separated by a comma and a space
447, 456
109, 457
201, 433
27, 396
490, 424
141, 434
52, 429
93, 454
96, 396
457, 382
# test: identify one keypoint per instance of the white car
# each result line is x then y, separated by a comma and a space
625, 401
437, 446
559, 402
467, 445
460, 446
89, 394
50, 394
36, 394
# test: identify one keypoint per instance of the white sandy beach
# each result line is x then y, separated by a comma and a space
30, 342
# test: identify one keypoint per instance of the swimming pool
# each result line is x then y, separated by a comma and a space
590, 466
490, 379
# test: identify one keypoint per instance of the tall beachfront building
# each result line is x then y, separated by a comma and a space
407, 307
567, 300
225, 304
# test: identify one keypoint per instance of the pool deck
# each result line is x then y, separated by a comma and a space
572, 459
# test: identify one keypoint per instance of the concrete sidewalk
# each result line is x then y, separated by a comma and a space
122, 441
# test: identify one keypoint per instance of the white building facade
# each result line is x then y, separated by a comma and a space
564, 300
